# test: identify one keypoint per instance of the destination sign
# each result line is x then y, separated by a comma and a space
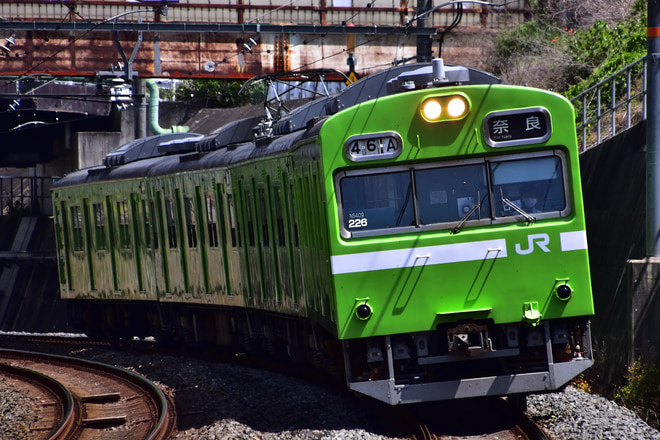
517, 127
373, 146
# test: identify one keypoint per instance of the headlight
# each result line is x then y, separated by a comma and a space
431, 109
445, 108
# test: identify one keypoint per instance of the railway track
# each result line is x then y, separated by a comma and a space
82, 399
470, 419
473, 419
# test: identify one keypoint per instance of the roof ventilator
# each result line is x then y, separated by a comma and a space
435, 75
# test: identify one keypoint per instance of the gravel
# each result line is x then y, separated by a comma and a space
576, 415
17, 412
217, 401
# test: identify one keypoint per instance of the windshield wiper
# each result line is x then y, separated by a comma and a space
456, 229
519, 210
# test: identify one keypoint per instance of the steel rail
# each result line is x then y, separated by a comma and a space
67, 423
165, 421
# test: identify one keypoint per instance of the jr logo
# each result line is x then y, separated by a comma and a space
541, 240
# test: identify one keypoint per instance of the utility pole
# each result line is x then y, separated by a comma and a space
424, 42
652, 131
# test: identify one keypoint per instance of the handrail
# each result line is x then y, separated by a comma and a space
611, 112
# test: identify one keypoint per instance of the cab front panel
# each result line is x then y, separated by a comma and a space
457, 242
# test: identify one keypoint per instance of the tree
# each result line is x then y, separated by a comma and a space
571, 44
219, 93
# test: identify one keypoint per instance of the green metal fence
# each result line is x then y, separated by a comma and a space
613, 105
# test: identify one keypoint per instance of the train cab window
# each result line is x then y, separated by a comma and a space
124, 225
171, 223
452, 194
377, 201
212, 220
529, 187
76, 228
191, 223
99, 225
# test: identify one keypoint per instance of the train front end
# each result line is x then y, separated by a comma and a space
458, 245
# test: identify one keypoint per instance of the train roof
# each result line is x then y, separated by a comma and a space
153, 167
243, 139
394, 80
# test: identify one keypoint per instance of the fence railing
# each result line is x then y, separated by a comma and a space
502, 14
25, 195
614, 104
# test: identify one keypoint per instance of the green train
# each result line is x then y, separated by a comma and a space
420, 232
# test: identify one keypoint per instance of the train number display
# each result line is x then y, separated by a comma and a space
373, 146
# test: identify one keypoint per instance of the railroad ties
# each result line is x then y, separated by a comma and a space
88, 400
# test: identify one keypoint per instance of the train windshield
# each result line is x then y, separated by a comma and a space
453, 195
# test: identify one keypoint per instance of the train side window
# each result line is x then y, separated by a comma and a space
250, 218
124, 225
212, 220
235, 231
171, 223
191, 224
76, 228
99, 225
264, 218
296, 235
147, 223
279, 218
153, 230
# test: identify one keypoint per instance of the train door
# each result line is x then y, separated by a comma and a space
194, 264
61, 242
293, 196
101, 255
214, 255
144, 251
156, 244
177, 218
282, 242
170, 253
307, 223
127, 278
322, 274
89, 248
207, 275
270, 280
74, 251
253, 256
233, 243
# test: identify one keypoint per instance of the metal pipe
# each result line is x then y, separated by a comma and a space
154, 100
652, 136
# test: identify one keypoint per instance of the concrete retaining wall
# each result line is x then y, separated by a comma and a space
614, 183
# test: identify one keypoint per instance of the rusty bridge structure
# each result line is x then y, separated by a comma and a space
226, 38
73, 72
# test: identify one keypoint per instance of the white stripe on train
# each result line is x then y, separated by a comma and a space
440, 254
